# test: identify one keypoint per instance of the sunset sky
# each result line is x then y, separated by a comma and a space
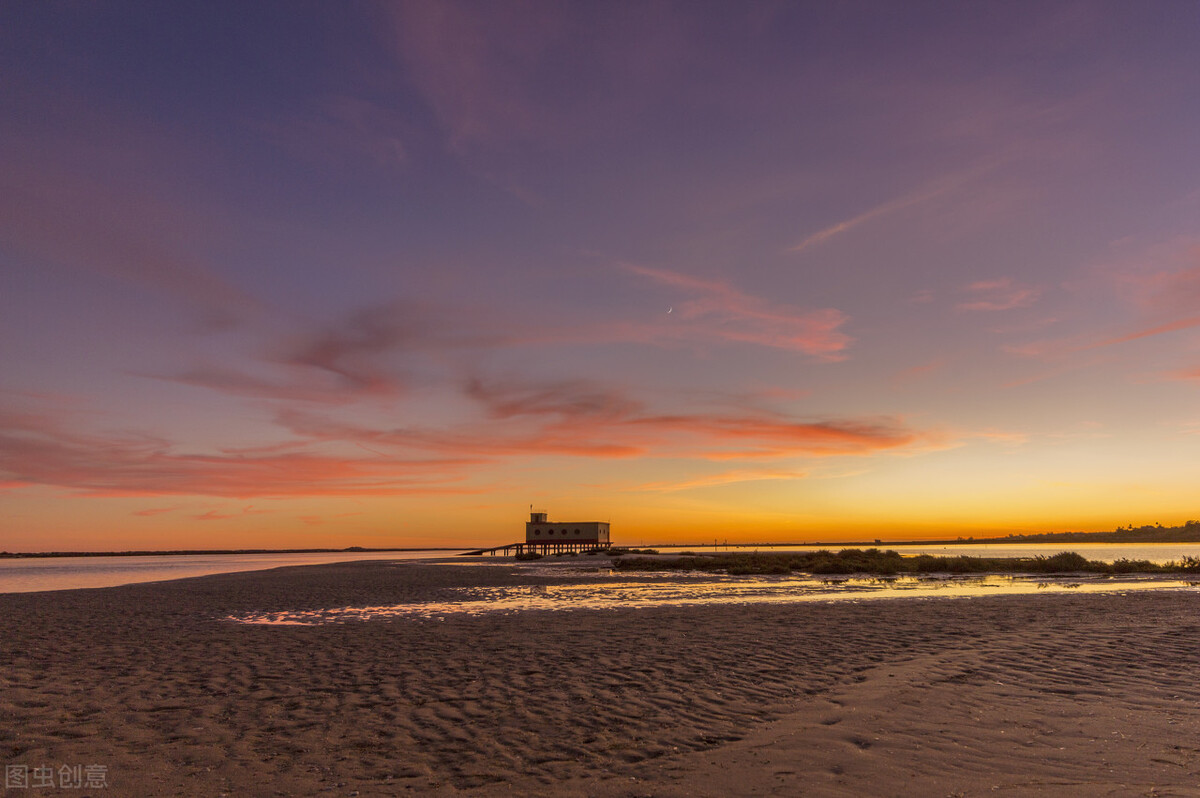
322, 274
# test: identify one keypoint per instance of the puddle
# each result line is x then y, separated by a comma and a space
608, 590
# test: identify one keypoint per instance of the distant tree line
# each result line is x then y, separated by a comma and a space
1189, 532
890, 562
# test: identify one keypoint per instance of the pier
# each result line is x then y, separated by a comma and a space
543, 536
540, 547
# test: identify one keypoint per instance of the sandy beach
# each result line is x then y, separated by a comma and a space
1020, 695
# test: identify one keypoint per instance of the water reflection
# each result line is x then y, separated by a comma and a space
610, 590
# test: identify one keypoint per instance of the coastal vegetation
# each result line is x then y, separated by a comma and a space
1188, 532
876, 561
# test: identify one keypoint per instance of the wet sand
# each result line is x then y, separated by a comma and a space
1004, 695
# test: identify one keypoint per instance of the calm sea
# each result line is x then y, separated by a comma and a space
68, 573
1105, 552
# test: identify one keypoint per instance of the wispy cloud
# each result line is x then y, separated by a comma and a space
717, 311
494, 74
343, 131
153, 511
367, 353
723, 478
118, 232
1158, 329
897, 204
925, 193
1003, 436
583, 419
37, 449
1187, 374
575, 399
919, 372
295, 385
318, 520
334, 454
1001, 294
381, 350
1167, 282
217, 515
475, 65
1155, 301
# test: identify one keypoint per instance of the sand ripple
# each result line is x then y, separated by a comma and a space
905, 697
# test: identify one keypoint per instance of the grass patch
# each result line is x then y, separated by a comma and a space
878, 562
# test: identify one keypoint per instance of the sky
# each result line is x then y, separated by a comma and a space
307, 274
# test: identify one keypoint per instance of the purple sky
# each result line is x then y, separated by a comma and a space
282, 274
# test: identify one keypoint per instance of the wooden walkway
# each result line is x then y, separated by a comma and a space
547, 547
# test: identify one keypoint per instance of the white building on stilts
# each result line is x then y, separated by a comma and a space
545, 536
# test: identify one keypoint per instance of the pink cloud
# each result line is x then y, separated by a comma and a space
1164, 301
995, 295
40, 450
1185, 374
718, 311
581, 419
489, 441
318, 520
1158, 329
366, 354
352, 350
930, 191
378, 351
1165, 291
328, 455
297, 385
720, 437
723, 478
1041, 350
152, 511
214, 515
918, 372
567, 398
1050, 349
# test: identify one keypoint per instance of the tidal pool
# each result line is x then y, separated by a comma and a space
606, 590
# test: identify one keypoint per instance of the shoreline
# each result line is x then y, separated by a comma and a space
1048, 539
848, 565
11, 555
1090, 693
26, 575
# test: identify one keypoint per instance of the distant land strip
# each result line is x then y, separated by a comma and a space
892, 563
181, 552
1186, 533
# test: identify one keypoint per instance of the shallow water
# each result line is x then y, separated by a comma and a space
28, 574
22, 575
611, 590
